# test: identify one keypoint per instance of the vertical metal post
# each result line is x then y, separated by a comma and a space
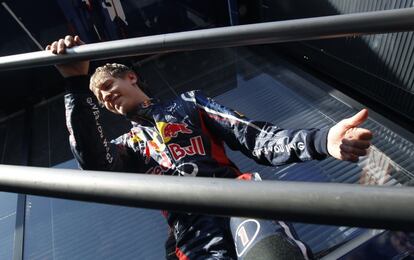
232, 5
19, 231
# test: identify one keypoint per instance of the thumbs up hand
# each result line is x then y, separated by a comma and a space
346, 141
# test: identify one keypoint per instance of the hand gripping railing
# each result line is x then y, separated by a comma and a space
273, 32
325, 203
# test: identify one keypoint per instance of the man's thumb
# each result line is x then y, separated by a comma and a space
357, 119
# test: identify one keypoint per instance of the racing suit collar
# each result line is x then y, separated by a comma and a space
144, 110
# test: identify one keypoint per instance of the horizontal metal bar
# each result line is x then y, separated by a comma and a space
324, 203
273, 32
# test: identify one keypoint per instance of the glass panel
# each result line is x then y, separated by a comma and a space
8, 202
64, 229
389, 245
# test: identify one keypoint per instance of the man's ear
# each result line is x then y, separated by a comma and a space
132, 77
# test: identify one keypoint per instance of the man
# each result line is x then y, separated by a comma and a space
185, 137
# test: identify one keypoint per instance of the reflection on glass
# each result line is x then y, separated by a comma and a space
64, 229
8, 202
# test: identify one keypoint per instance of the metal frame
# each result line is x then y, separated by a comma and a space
327, 203
273, 32
336, 204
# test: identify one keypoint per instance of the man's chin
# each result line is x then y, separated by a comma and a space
116, 110
121, 111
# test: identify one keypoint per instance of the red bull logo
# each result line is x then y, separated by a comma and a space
171, 130
196, 147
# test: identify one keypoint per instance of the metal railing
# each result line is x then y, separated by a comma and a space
273, 32
325, 203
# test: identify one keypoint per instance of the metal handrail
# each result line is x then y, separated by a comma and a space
334, 26
324, 203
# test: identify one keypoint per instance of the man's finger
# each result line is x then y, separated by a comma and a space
47, 48
363, 134
356, 133
353, 158
353, 150
61, 46
68, 41
360, 144
53, 47
357, 119
349, 157
78, 40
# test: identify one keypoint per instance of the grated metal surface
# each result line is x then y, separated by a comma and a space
389, 58
378, 66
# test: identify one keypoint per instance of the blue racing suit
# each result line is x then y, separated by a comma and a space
184, 137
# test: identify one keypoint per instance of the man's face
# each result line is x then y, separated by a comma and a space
120, 95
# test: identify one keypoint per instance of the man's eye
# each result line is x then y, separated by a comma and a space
106, 86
